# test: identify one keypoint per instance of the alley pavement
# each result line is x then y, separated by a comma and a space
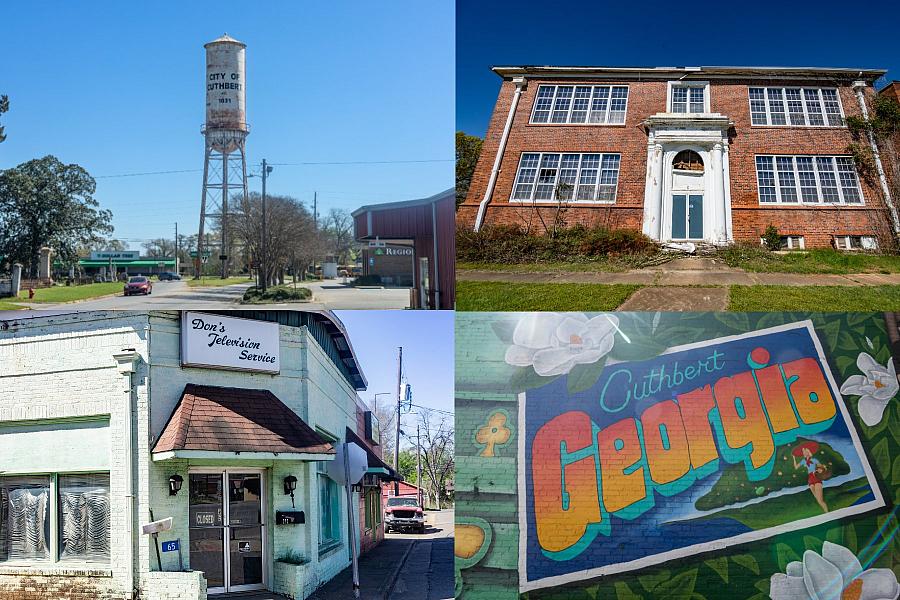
405, 566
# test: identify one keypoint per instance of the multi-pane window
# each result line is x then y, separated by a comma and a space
807, 179
80, 505
580, 104
809, 107
789, 242
855, 242
373, 509
552, 176
688, 98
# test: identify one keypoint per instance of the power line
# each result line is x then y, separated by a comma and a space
297, 164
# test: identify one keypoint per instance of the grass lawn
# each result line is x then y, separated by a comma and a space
208, 281
502, 296
759, 260
5, 304
816, 298
62, 293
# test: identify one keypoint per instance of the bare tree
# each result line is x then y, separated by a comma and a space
339, 229
160, 248
292, 240
436, 439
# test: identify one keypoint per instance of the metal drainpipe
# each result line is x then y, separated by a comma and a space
127, 362
482, 208
858, 87
434, 236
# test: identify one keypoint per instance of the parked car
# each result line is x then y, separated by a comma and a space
403, 513
138, 285
168, 276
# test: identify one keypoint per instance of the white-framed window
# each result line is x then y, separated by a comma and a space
807, 180
789, 242
78, 503
796, 107
566, 177
329, 503
580, 104
855, 242
688, 97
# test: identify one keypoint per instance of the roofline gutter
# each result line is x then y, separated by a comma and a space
520, 82
223, 455
668, 72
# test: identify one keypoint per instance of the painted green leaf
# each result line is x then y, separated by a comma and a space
785, 555
882, 456
623, 592
525, 378
736, 321
679, 587
763, 585
895, 472
651, 580
697, 596
855, 320
504, 330
770, 320
640, 347
747, 561
894, 423
846, 342
582, 377
812, 543
845, 364
764, 596
850, 538
834, 535
719, 565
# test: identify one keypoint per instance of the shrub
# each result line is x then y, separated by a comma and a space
771, 238
255, 295
511, 244
367, 280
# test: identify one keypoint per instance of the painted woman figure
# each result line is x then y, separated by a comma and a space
813, 468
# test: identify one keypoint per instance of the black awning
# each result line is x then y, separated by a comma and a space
377, 466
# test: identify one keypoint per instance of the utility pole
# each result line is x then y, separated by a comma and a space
315, 211
177, 272
419, 466
397, 437
264, 260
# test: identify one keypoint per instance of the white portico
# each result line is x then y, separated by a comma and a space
687, 195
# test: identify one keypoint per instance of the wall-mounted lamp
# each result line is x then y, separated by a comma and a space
290, 485
175, 482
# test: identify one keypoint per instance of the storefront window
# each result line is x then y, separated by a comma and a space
25, 519
84, 517
373, 509
329, 509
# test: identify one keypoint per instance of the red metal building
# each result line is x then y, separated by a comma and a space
428, 227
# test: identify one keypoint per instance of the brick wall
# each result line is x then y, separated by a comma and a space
728, 97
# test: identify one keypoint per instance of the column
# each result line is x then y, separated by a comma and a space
717, 195
653, 191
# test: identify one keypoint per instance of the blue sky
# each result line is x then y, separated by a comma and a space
119, 88
698, 33
428, 359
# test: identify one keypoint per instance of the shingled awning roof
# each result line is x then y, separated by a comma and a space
224, 422
376, 464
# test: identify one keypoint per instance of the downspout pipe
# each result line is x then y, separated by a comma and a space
434, 238
859, 87
482, 208
127, 361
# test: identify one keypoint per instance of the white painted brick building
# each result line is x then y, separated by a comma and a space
66, 382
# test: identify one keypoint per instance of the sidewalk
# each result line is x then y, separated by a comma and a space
683, 272
378, 571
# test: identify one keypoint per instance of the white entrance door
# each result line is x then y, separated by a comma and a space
227, 528
687, 216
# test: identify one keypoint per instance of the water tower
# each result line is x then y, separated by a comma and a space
225, 130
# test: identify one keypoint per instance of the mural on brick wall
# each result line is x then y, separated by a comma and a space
667, 455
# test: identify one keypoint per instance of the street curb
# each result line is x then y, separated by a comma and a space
392, 580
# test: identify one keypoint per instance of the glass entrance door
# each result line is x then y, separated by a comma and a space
227, 530
687, 216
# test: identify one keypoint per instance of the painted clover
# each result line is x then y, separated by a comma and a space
495, 433
875, 389
553, 343
835, 575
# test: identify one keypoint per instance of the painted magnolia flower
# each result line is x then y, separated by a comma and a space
553, 343
835, 575
875, 389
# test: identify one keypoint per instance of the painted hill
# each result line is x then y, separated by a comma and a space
733, 486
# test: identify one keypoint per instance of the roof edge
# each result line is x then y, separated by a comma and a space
405, 203
758, 71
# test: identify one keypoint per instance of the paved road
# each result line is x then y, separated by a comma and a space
178, 295
427, 573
